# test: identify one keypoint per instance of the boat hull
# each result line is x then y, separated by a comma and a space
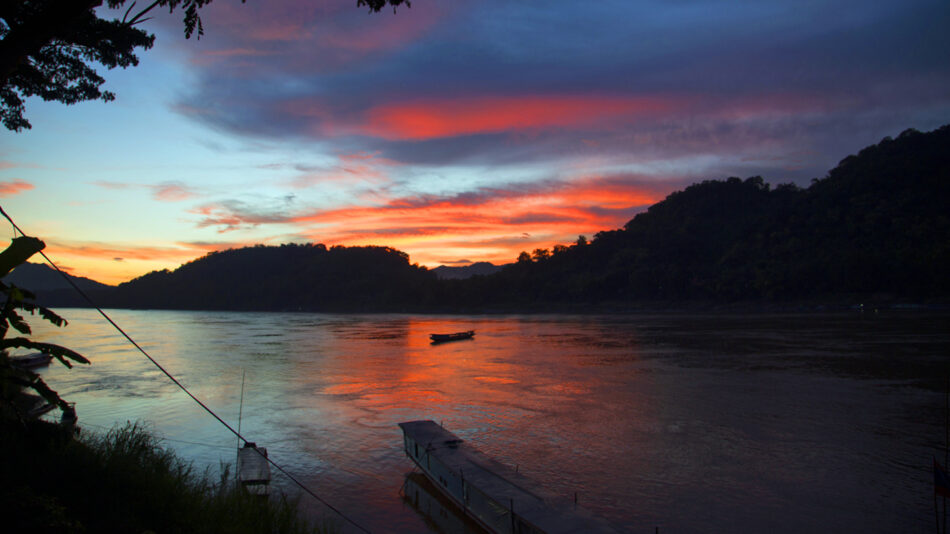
457, 336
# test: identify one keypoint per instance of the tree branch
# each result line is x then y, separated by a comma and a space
24, 40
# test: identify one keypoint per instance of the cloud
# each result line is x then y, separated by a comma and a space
490, 223
164, 192
433, 118
8, 189
106, 184
172, 192
4, 165
496, 83
231, 215
181, 252
301, 36
359, 167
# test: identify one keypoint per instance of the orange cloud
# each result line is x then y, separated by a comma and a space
172, 192
453, 117
488, 225
8, 189
117, 263
183, 251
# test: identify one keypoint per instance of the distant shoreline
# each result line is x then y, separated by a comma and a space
645, 308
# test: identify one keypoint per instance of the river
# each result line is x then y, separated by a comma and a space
686, 423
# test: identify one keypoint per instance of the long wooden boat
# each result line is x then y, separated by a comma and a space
441, 338
31, 361
499, 498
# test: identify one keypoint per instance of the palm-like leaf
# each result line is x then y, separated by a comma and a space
60, 353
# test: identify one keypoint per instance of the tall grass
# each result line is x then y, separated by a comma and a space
123, 481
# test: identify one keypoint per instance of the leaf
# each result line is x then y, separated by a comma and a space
45, 313
60, 353
24, 378
18, 323
37, 385
16, 294
20, 250
48, 314
25, 294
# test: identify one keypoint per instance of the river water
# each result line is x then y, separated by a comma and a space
686, 423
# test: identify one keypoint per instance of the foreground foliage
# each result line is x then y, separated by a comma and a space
16, 300
121, 482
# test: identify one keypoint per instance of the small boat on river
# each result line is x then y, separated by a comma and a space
498, 498
32, 361
442, 338
253, 469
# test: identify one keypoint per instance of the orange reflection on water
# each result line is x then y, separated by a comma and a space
389, 371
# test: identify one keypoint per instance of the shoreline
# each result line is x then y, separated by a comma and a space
859, 306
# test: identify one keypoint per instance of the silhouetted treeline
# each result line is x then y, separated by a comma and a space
286, 277
876, 227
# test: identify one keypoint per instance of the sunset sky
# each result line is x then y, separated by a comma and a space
458, 131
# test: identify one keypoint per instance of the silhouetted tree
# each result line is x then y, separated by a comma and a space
541, 254
47, 47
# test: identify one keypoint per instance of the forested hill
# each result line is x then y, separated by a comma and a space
40, 277
287, 277
876, 228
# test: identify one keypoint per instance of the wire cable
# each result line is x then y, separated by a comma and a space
175, 380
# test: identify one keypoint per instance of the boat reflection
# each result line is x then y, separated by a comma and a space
440, 514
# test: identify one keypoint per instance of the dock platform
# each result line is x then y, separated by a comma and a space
496, 496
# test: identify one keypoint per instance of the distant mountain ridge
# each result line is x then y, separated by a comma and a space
479, 268
875, 228
39, 277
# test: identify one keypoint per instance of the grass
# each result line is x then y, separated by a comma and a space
122, 481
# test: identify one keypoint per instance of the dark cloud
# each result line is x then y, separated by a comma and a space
778, 88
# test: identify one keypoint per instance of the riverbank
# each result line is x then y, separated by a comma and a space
122, 481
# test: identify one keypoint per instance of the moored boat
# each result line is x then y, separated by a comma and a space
31, 361
32, 405
499, 498
253, 470
441, 338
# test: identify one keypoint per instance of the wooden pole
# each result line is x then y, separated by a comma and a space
241, 407
946, 450
237, 468
936, 513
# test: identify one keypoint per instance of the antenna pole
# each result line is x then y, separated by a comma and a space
240, 414
946, 450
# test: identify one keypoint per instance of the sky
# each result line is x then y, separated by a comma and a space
458, 131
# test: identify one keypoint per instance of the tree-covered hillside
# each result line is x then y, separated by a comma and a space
287, 277
878, 225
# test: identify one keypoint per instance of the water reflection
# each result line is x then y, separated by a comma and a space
690, 423
439, 513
